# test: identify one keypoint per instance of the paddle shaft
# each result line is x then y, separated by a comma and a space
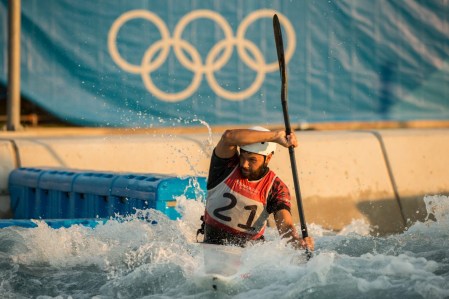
288, 130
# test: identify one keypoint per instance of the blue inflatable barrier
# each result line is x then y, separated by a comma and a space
131, 189
53, 223
91, 192
25, 195
55, 187
73, 194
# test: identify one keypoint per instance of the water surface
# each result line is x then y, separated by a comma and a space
132, 258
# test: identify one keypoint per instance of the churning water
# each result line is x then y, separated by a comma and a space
133, 258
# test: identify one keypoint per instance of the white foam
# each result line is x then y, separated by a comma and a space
438, 206
140, 258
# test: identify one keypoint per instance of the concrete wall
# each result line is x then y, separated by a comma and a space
419, 161
343, 177
7, 163
380, 176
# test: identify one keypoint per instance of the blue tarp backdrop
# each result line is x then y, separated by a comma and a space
151, 63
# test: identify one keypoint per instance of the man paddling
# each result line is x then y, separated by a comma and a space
243, 191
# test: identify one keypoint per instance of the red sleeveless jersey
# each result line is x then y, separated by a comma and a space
238, 206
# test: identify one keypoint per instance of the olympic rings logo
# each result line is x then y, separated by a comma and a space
195, 64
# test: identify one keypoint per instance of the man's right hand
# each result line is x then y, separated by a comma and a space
286, 140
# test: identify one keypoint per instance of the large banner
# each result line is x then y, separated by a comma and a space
151, 63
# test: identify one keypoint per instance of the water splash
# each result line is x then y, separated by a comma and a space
132, 257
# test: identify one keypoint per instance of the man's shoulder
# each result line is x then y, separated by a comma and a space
278, 183
280, 189
219, 169
277, 178
227, 162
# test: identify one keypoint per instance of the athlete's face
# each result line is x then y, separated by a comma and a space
252, 166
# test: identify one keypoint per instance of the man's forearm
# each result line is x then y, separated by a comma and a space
245, 136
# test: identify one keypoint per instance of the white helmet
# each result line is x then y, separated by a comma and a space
261, 148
